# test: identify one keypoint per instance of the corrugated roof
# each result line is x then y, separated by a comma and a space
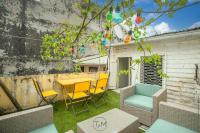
169, 35
174, 32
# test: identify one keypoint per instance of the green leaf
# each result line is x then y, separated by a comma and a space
149, 21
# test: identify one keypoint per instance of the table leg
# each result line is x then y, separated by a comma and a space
65, 96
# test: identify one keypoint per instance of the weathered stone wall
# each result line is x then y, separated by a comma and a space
22, 24
28, 66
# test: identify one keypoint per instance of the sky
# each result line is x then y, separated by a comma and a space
185, 18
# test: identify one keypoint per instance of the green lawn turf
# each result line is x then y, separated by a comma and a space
65, 120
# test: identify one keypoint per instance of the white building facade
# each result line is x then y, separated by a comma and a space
180, 54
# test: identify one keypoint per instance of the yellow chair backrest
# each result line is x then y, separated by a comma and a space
37, 87
103, 75
102, 83
82, 86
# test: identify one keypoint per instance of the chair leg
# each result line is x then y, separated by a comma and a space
40, 102
86, 100
94, 102
52, 99
73, 108
78, 112
100, 97
67, 101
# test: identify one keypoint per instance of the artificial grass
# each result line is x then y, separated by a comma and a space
64, 120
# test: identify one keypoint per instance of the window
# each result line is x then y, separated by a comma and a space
93, 69
149, 75
104, 68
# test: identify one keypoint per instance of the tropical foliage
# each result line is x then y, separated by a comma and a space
68, 39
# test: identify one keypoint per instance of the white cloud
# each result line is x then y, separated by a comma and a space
161, 28
195, 25
150, 31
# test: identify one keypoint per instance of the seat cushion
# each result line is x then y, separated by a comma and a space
49, 93
146, 89
140, 101
92, 90
162, 126
46, 129
77, 95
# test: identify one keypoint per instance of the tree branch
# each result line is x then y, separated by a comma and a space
99, 13
83, 23
166, 11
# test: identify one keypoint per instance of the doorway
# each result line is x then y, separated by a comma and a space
124, 80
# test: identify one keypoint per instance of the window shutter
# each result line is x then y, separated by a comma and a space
149, 75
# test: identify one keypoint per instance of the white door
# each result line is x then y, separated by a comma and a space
123, 63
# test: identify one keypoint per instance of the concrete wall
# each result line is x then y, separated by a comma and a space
22, 25
28, 66
22, 88
180, 51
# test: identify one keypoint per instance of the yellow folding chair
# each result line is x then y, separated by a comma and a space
51, 94
99, 91
80, 93
103, 75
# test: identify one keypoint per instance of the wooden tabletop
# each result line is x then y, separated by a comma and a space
65, 82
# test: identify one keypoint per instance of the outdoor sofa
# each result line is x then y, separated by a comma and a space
142, 101
36, 120
174, 118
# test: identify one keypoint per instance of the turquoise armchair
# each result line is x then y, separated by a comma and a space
175, 118
142, 101
35, 120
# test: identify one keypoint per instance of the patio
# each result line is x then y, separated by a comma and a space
65, 120
99, 66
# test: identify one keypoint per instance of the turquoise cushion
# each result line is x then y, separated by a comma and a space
46, 129
146, 89
162, 126
140, 101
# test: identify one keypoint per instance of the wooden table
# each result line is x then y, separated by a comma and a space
67, 82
